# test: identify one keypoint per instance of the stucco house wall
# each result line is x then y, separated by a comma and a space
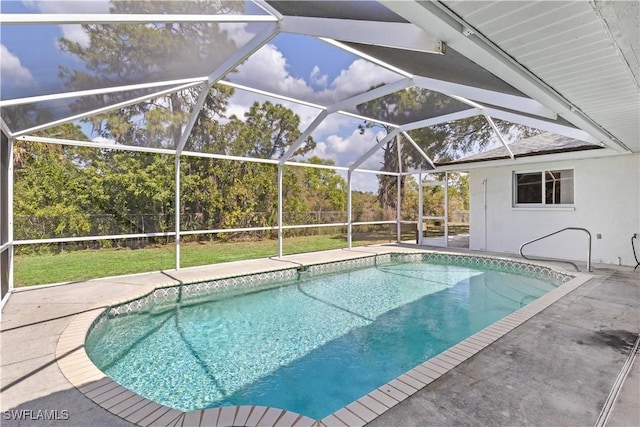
607, 203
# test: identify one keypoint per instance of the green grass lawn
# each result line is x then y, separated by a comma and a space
87, 264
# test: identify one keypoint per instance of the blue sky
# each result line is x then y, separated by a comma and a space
292, 65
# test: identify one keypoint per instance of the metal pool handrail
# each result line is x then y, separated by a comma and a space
560, 260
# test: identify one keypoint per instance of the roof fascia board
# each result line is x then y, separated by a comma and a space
105, 109
543, 158
442, 119
571, 132
512, 102
133, 18
397, 35
439, 21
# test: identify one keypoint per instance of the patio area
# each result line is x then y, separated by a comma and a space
558, 368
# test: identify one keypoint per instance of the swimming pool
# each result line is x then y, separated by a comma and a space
309, 342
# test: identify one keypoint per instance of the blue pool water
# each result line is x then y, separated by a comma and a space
310, 346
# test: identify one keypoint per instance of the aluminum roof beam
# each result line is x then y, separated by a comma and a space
132, 18
443, 24
442, 119
229, 64
349, 102
419, 150
502, 140
259, 40
390, 34
512, 102
365, 56
369, 153
101, 91
303, 137
541, 124
106, 109
5, 128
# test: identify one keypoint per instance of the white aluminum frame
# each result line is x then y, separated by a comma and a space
440, 21
390, 34
425, 19
129, 18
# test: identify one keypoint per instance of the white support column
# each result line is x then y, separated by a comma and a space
10, 223
6, 213
280, 210
11, 236
202, 96
446, 209
177, 210
420, 208
349, 214
399, 189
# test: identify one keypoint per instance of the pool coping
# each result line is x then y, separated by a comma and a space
76, 366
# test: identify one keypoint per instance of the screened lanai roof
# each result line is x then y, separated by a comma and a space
328, 59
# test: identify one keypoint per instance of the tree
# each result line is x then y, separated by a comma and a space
325, 189
50, 193
125, 54
440, 142
233, 194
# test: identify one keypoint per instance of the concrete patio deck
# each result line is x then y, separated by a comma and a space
556, 369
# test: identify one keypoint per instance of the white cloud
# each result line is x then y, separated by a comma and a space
345, 151
359, 77
73, 32
338, 137
93, 6
12, 71
77, 34
267, 69
237, 32
317, 79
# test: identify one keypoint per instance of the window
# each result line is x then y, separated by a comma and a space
553, 187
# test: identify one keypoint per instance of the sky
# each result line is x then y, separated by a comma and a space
291, 65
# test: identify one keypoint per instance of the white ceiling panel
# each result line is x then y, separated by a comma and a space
585, 51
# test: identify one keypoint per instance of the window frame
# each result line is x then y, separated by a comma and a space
543, 203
